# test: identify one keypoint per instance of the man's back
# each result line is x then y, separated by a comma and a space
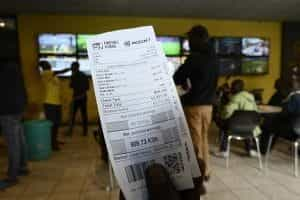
80, 84
240, 101
201, 69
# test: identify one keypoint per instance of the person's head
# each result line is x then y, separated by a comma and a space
198, 38
75, 67
237, 86
278, 84
45, 65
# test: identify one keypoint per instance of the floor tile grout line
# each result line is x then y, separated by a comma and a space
228, 188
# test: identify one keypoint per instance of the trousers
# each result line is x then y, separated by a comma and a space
199, 120
13, 133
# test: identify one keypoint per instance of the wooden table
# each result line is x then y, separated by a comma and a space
267, 109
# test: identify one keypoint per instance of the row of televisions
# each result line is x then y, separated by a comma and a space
236, 55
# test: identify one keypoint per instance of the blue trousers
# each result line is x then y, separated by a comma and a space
13, 133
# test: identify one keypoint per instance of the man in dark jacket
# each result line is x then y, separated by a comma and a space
12, 105
80, 86
201, 69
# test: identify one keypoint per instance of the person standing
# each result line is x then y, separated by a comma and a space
80, 86
52, 101
12, 106
201, 69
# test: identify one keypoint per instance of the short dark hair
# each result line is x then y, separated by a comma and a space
198, 37
237, 86
278, 84
45, 65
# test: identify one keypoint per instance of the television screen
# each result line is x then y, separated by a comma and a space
81, 42
60, 63
228, 46
170, 45
85, 66
185, 46
255, 47
254, 65
57, 44
229, 66
176, 62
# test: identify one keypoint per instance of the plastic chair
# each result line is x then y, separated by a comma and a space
293, 137
240, 127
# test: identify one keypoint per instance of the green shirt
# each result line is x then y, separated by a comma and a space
241, 101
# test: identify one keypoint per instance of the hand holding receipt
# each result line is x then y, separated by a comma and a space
141, 115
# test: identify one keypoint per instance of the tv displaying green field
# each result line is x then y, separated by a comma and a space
254, 65
57, 44
81, 42
170, 45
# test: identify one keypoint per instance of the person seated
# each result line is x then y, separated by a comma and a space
278, 96
268, 123
222, 98
282, 124
240, 100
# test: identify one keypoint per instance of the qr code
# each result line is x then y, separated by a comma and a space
174, 163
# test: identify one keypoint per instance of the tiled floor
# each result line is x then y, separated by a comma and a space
76, 173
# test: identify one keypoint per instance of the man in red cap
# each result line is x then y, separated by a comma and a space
201, 70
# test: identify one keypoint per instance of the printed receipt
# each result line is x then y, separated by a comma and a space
141, 115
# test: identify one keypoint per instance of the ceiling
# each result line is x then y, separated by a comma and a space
229, 9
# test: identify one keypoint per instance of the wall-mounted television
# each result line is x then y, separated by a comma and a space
171, 45
176, 62
84, 66
229, 66
57, 44
185, 46
81, 42
227, 46
255, 47
236, 55
60, 63
254, 65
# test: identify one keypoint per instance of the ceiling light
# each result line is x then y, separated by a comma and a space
2, 24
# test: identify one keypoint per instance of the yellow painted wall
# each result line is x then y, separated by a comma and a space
31, 25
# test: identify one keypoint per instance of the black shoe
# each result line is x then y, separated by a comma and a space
6, 183
56, 148
23, 172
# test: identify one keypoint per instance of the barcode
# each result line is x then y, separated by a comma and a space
136, 172
174, 163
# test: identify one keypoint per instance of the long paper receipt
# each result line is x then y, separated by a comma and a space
141, 115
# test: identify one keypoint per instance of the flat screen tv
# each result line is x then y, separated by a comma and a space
185, 46
227, 46
255, 47
84, 66
60, 63
81, 43
176, 62
229, 66
170, 45
57, 44
254, 65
